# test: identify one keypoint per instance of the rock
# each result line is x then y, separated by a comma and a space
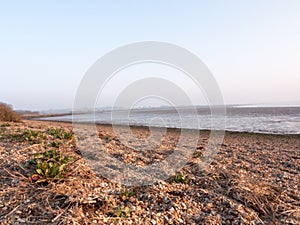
153, 222
35, 177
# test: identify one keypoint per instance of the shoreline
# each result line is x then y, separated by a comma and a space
171, 128
253, 179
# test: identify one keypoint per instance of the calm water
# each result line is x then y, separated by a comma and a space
280, 120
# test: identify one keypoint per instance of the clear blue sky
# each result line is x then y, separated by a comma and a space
251, 47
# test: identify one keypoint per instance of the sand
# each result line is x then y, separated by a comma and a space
253, 179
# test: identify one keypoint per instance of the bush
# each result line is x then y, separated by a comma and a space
7, 114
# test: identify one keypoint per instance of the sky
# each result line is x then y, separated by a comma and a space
252, 48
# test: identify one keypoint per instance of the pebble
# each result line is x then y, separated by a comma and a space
153, 222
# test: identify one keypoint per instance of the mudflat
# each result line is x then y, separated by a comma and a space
253, 179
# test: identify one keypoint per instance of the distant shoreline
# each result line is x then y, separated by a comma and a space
263, 120
36, 116
171, 128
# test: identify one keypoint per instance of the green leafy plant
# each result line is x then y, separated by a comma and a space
105, 137
112, 209
127, 193
29, 135
181, 178
33, 137
60, 133
55, 144
5, 125
122, 212
50, 164
198, 154
243, 167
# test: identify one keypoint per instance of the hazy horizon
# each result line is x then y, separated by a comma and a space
252, 48
151, 107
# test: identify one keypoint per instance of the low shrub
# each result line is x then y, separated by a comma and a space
7, 114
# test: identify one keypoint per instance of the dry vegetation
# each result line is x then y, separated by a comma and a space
7, 114
253, 180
